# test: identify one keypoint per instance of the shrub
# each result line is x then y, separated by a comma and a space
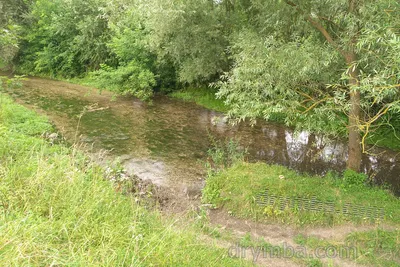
133, 78
352, 178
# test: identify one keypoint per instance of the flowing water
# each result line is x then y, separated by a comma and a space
167, 142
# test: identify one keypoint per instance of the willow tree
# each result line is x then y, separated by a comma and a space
191, 34
316, 60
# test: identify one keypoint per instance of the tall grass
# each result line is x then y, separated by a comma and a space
56, 209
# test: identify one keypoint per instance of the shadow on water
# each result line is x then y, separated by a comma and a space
166, 141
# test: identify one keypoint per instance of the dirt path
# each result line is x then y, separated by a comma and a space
232, 230
284, 235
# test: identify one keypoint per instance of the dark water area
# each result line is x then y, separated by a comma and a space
167, 141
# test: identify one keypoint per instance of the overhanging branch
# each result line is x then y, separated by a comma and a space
320, 28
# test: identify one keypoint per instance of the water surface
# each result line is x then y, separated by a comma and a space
167, 141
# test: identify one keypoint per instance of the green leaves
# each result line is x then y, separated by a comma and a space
353, 179
133, 78
290, 58
272, 76
65, 38
9, 42
192, 34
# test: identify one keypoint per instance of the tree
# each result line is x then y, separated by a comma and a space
65, 38
11, 14
315, 61
345, 45
191, 34
132, 70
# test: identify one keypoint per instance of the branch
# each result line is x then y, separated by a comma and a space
315, 104
305, 95
320, 28
329, 20
367, 125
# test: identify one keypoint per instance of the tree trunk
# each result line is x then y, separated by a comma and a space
355, 151
354, 160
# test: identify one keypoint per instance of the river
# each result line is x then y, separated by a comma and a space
167, 141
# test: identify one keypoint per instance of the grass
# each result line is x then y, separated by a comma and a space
380, 247
254, 248
375, 247
204, 97
259, 248
236, 187
236, 190
56, 208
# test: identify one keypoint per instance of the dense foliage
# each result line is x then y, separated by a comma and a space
327, 66
65, 38
11, 12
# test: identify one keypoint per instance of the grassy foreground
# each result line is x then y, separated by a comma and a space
374, 248
237, 188
56, 209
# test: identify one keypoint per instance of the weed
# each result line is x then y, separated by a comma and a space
352, 178
224, 153
376, 247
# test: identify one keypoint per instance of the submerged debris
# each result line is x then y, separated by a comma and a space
52, 138
144, 191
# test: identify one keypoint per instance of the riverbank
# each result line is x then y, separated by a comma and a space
247, 190
272, 195
58, 208
204, 97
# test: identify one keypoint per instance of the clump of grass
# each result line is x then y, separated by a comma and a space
3, 65
378, 247
56, 208
21, 120
375, 247
223, 154
204, 97
236, 189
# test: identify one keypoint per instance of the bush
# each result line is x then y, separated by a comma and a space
352, 178
133, 78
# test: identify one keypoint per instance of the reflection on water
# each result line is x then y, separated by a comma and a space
166, 141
